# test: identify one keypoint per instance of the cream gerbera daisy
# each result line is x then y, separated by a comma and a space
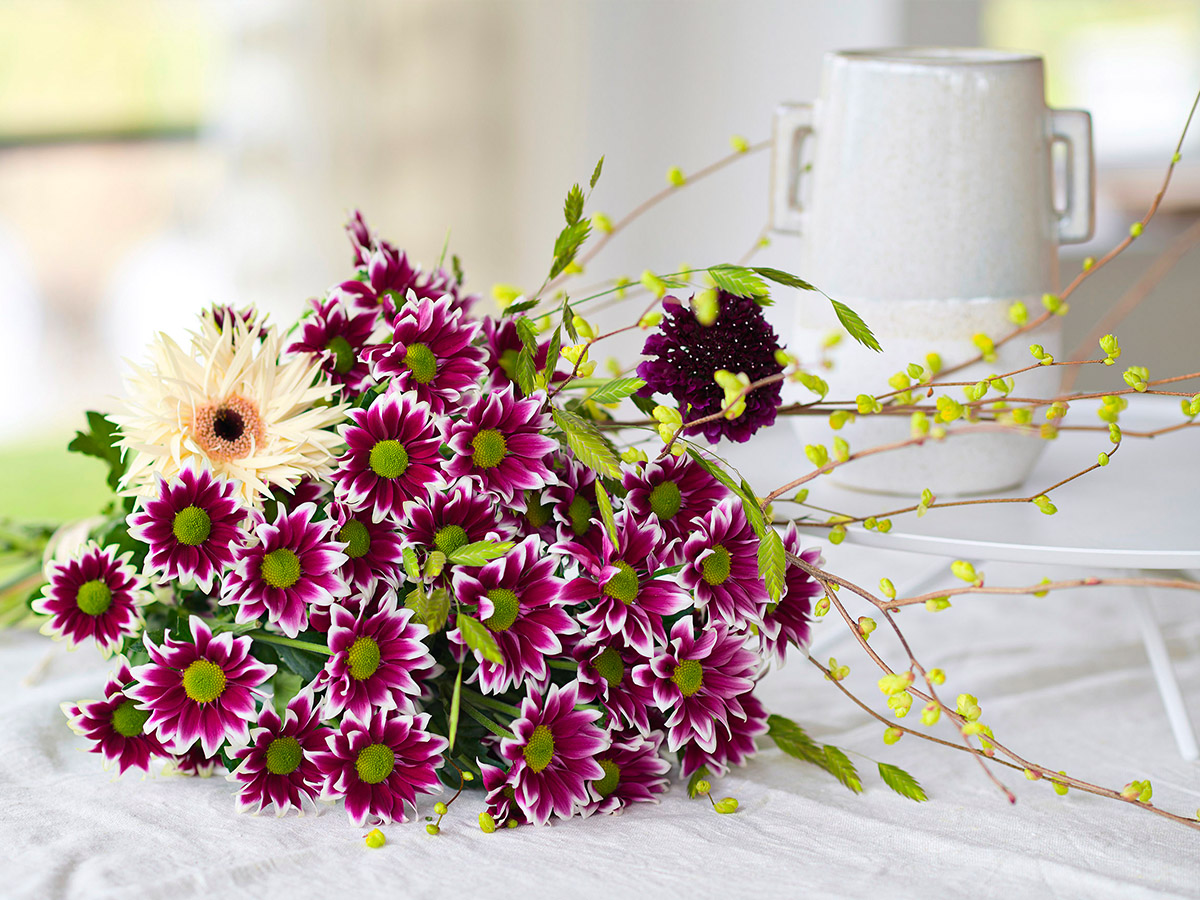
231, 405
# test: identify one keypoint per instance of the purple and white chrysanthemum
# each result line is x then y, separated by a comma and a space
501, 805
338, 337
195, 763
200, 689
373, 660
374, 550
389, 276
606, 677
499, 445
518, 601
95, 596
503, 345
573, 504
431, 354
449, 519
633, 773
787, 622
192, 527
676, 490
115, 726
735, 741
626, 601
553, 754
720, 567
380, 763
290, 565
698, 682
392, 456
277, 766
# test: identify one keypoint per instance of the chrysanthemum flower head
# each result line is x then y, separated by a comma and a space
721, 567
374, 550
337, 337
449, 519
734, 741
674, 490
115, 726
787, 622
572, 503
634, 772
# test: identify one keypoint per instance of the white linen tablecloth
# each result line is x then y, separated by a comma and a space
1061, 679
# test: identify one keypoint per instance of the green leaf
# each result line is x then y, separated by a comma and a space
552, 354
645, 404
606, 511
521, 307
739, 281
100, 441
455, 706
901, 782
573, 207
772, 561
456, 264
587, 443
715, 471
568, 320
300, 662
857, 327
784, 278
431, 608
527, 334
480, 552
570, 239
701, 774
479, 639
794, 740
617, 389
526, 372
839, 766
596, 172
411, 565
754, 513
286, 685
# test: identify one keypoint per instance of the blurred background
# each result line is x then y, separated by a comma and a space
158, 155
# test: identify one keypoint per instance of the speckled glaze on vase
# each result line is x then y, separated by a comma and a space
929, 209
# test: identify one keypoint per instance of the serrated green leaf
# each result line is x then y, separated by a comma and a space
737, 280
300, 662
753, 512
855, 326
784, 278
526, 372
839, 766
456, 265
478, 638
455, 707
617, 389
480, 552
411, 565
285, 685
645, 404
794, 740
901, 782
100, 441
568, 320
552, 354
701, 774
569, 240
716, 472
604, 504
527, 334
521, 307
431, 608
573, 207
772, 562
596, 172
587, 443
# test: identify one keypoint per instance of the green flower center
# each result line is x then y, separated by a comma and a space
490, 448
506, 605
580, 513
610, 666
665, 500
343, 359
688, 677
716, 565
389, 459
94, 597
540, 749
450, 538
364, 658
192, 526
283, 755
280, 568
536, 512
204, 681
421, 362
128, 720
355, 536
612, 777
375, 763
624, 585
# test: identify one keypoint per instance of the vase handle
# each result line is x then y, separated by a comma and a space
792, 127
1074, 128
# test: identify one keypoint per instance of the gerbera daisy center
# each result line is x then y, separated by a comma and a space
389, 459
228, 430
610, 666
505, 605
203, 681
624, 585
421, 362
343, 354
539, 749
490, 448
94, 597
128, 720
688, 676
665, 500
612, 777
364, 658
357, 539
375, 763
450, 538
716, 565
580, 514
283, 755
280, 568
192, 526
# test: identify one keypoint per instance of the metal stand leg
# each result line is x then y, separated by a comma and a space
1164, 674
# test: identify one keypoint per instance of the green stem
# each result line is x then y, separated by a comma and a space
477, 699
487, 723
562, 664
267, 638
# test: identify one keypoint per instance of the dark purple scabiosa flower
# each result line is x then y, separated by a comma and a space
374, 658
392, 456
697, 682
374, 550
503, 344
501, 805
787, 622
553, 754
200, 689
380, 763
735, 741
518, 601
94, 596
431, 354
498, 444
191, 527
573, 505
195, 763
115, 726
606, 677
676, 490
626, 601
449, 519
633, 773
721, 567
287, 567
338, 337
684, 356
277, 765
